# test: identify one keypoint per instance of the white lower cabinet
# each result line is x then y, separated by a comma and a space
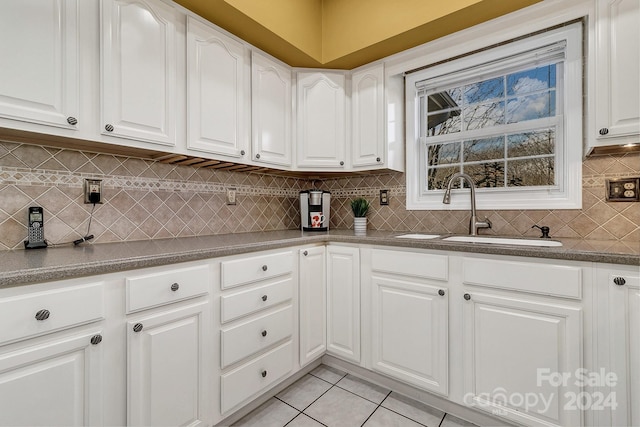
168, 367
313, 303
623, 287
516, 344
409, 318
56, 382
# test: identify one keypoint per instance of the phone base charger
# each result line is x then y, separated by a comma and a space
35, 245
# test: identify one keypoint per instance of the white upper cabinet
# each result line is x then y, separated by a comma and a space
367, 109
321, 137
271, 111
617, 66
139, 71
215, 91
39, 51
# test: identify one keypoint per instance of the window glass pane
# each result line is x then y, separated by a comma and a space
487, 175
442, 154
444, 122
484, 91
532, 80
437, 178
483, 115
530, 172
444, 100
531, 107
534, 143
484, 149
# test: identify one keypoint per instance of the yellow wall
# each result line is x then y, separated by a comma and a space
345, 33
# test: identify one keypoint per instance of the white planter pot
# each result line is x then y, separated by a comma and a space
360, 225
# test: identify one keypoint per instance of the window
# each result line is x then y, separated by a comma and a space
509, 117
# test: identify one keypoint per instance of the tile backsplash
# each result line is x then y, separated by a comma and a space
152, 200
143, 199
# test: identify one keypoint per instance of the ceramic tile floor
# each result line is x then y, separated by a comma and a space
332, 398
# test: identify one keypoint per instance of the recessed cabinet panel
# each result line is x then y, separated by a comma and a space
271, 111
40, 75
617, 103
57, 383
410, 332
624, 303
321, 120
215, 91
313, 304
368, 117
511, 346
139, 65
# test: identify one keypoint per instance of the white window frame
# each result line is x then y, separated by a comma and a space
567, 194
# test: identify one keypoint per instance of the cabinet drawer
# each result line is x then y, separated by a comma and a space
161, 288
429, 266
252, 300
66, 307
248, 380
251, 269
249, 338
556, 280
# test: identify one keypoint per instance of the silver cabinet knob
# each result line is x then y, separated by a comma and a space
72, 121
264, 297
265, 268
108, 127
137, 327
258, 156
175, 287
619, 281
43, 314
341, 163
263, 373
242, 152
96, 339
263, 333
441, 292
378, 159
467, 297
603, 131
305, 253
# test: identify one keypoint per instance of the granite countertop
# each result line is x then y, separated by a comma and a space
20, 267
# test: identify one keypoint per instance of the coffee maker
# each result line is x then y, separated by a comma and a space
314, 210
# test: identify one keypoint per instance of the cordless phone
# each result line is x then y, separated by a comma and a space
35, 238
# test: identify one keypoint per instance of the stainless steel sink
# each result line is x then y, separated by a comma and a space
418, 236
504, 241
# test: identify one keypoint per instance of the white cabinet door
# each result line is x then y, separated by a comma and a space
343, 302
513, 351
313, 304
321, 120
53, 383
410, 332
169, 367
215, 91
624, 324
367, 109
617, 103
39, 50
139, 69
271, 111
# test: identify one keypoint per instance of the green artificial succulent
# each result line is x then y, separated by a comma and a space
360, 207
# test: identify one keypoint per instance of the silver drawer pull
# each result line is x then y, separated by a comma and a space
264, 297
619, 281
264, 267
137, 327
175, 287
441, 292
96, 339
263, 373
43, 314
264, 333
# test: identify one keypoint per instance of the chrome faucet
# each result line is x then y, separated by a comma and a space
474, 224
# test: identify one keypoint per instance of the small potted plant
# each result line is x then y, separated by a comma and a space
360, 208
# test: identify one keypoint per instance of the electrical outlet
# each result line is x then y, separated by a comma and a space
93, 191
623, 190
231, 196
384, 197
